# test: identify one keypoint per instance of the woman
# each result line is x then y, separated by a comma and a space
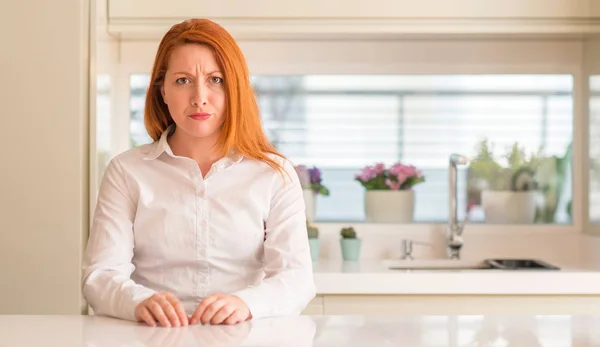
207, 223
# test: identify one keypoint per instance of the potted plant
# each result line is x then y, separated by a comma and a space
509, 190
313, 240
389, 196
350, 244
311, 181
553, 175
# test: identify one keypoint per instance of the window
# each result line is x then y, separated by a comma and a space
103, 127
594, 133
342, 122
138, 85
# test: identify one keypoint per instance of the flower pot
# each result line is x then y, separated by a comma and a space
508, 207
310, 203
314, 248
350, 249
389, 206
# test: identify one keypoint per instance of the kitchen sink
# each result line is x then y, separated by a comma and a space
437, 264
520, 264
486, 264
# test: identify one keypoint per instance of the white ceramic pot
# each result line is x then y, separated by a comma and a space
310, 203
508, 207
389, 206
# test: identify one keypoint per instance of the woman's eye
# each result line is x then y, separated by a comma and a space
182, 80
217, 80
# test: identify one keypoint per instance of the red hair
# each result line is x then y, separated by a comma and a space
242, 129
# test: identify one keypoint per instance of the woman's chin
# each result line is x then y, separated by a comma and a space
202, 132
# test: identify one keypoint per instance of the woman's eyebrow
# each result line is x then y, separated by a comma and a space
187, 73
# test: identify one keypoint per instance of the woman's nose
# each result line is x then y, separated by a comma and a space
200, 95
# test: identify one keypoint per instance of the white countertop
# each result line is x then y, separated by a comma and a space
374, 277
304, 331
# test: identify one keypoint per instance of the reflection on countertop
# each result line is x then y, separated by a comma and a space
373, 266
348, 331
375, 277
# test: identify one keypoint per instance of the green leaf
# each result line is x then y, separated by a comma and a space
323, 191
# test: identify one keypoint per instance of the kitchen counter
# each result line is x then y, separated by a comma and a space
348, 331
374, 277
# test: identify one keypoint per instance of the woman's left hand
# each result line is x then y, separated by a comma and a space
221, 309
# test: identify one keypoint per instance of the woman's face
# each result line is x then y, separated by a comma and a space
194, 91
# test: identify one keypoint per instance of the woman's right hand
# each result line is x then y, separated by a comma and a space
163, 308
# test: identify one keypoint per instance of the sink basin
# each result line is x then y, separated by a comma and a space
520, 264
486, 264
437, 264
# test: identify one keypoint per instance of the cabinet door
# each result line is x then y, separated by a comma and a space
310, 10
459, 304
315, 307
277, 19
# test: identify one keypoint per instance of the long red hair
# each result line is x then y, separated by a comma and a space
242, 129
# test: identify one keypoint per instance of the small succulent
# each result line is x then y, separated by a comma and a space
313, 231
348, 233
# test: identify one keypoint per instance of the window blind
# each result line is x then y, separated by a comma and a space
340, 123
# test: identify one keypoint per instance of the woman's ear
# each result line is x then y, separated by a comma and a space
162, 93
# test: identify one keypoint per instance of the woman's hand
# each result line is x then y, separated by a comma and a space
163, 308
221, 309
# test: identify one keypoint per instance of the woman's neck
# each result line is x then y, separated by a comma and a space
202, 150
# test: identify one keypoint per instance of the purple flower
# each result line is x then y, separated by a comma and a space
303, 175
311, 179
315, 175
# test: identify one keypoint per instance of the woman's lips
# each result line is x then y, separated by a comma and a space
200, 116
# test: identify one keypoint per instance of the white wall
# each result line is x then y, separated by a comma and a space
43, 194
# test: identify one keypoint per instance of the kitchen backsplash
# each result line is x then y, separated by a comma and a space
385, 241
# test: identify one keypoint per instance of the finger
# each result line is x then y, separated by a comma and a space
183, 318
212, 310
222, 314
146, 316
234, 318
158, 313
203, 305
169, 311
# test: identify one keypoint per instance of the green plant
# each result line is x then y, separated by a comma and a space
518, 171
552, 175
313, 231
515, 170
523, 180
348, 233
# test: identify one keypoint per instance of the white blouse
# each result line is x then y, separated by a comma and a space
160, 226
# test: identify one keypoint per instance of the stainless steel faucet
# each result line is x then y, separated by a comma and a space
407, 247
454, 240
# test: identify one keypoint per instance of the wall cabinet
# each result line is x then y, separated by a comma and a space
344, 9
135, 18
